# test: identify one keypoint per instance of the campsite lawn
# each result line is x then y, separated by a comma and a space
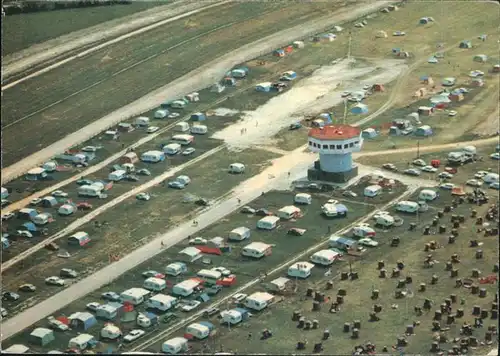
133, 223
358, 304
24, 30
114, 87
245, 269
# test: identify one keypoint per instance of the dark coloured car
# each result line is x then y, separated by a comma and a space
263, 212
210, 312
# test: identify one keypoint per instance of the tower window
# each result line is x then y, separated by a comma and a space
339, 147
332, 147
351, 144
346, 146
325, 147
310, 143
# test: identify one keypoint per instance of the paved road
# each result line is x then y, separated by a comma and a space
38, 54
195, 80
295, 162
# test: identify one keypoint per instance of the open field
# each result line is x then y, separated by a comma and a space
245, 269
23, 30
244, 338
76, 100
132, 223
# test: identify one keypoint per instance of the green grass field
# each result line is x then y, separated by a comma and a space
24, 30
110, 85
358, 304
245, 269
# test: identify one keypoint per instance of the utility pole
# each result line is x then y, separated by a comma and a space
418, 148
345, 112
349, 46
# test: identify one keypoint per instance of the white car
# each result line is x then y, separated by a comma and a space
24, 233
35, 201
224, 271
134, 335
419, 163
143, 196
92, 306
332, 201
188, 151
345, 94
445, 175
198, 241
480, 174
447, 186
367, 86
152, 129
495, 185
189, 305
7, 216
59, 194
495, 155
89, 149
429, 169
452, 113
4, 312
55, 281
378, 214
239, 297
368, 242
173, 115
474, 182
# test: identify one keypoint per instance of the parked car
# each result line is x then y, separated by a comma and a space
296, 231
173, 115
198, 241
451, 170
447, 186
134, 335
189, 305
57, 324
239, 297
131, 178
176, 185
188, 151
452, 113
349, 193
10, 296
495, 156
474, 182
27, 288
168, 317
390, 167
412, 172
223, 270
143, 196
90, 149
152, 129
368, 242
494, 185
7, 216
213, 290
92, 306
4, 312
210, 312
295, 126
144, 172
153, 273
263, 212
68, 273
5, 203
345, 94
419, 163
24, 233
59, 194
480, 174
55, 281
111, 296
445, 175
202, 202
248, 210
84, 182
35, 202
84, 206
52, 246
429, 169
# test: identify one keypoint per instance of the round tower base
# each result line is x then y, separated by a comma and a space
314, 174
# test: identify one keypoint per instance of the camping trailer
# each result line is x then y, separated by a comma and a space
428, 194
257, 250
89, 191
172, 149
161, 302
117, 175
79, 238
155, 284
161, 114
147, 319
199, 129
288, 212
268, 223
175, 346
190, 254
259, 301
153, 156
183, 139
236, 168
185, 288
181, 126
175, 269
42, 219
108, 311
66, 209
372, 191
325, 257
210, 276
234, 316
408, 206
134, 296
490, 178
300, 269
239, 234
110, 332
303, 198
5, 193
82, 342
142, 121
200, 330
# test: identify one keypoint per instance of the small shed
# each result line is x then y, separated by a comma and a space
359, 109
217, 88
198, 116
477, 82
82, 320
481, 58
424, 131
298, 44
465, 44
378, 87
42, 336
369, 133
190, 254
381, 34
279, 53
130, 157
49, 202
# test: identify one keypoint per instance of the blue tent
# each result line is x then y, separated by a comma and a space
424, 131
83, 320
359, 109
152, 317
198, 117
30, 226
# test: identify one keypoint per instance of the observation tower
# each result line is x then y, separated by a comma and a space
335, 145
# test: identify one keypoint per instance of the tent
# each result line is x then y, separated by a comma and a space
424, 131
82, 320
42, 336
31, 227
381, 34
279, 53
49, 202
369, 133
482, 58
359, 109
465, 44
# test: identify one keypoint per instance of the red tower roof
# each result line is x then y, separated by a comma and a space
334, 132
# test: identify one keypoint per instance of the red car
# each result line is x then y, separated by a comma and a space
450, 170
84, 206
227, 281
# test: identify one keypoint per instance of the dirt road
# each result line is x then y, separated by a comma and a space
39, 53
200, 78
173, 15
296, 162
